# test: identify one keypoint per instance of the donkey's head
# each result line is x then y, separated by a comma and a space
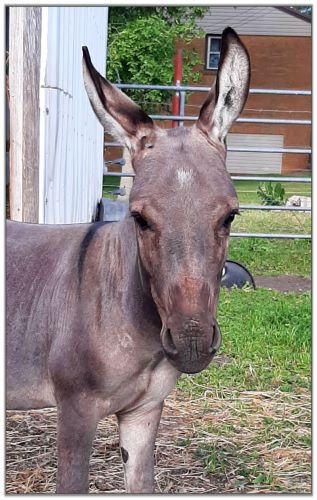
182, 201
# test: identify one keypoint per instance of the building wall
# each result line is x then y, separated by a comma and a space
277, 62
71, 149
249, 162
254, 20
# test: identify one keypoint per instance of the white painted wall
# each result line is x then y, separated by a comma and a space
253, 20
71, 138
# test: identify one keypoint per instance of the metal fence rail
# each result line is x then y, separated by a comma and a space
284, 236
288, 208
234, 177
182, 89
271, 150
193, 88
268, 178
268, 121
246, 150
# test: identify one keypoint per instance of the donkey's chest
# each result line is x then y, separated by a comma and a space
140, 387
161, 381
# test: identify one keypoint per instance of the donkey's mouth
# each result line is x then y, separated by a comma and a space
190, 354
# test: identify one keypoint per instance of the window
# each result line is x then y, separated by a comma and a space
213, 51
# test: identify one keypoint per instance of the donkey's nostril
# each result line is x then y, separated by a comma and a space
168, 343
216, 340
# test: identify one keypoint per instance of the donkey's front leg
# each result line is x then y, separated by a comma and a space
138, 430
77, 422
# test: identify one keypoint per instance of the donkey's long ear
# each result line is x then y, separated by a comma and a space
118, 114
226, 99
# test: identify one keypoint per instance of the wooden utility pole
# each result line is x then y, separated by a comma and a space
24, 82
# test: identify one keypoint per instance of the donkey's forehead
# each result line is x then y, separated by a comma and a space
182, 159
182, 146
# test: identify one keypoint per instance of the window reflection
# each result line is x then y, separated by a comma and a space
215, 45
213, 51
214, 61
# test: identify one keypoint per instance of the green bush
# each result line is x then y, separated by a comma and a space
141, 48
271, 195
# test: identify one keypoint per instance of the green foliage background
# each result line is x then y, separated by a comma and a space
141, 48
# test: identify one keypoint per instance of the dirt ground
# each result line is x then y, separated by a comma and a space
189, 437
284, 283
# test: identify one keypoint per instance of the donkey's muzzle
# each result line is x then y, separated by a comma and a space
191, 348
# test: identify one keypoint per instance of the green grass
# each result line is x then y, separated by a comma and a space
218, 460
272, 222
249, 458
254, 433
254, 430
267, 338
272, 257
109, 185
246, 190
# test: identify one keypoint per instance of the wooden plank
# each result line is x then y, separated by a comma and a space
24, 70
16, 115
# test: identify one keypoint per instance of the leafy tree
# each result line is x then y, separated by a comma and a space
303, 9
141, 46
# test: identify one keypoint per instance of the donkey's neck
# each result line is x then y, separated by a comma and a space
137, 299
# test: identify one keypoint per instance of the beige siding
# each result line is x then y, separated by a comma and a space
254, 20
254, 163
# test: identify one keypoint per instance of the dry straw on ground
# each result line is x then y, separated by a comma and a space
222, 443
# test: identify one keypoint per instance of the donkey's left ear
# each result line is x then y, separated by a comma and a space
118, 114
227, 98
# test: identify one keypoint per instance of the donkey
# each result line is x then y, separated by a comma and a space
103, 318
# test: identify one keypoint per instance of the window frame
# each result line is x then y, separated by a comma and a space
209, 37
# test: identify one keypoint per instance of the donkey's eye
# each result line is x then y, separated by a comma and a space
141, 222
229, 219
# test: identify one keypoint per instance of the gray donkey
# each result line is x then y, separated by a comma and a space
103, 318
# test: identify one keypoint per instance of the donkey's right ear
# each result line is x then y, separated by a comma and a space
228, 96
118, 114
